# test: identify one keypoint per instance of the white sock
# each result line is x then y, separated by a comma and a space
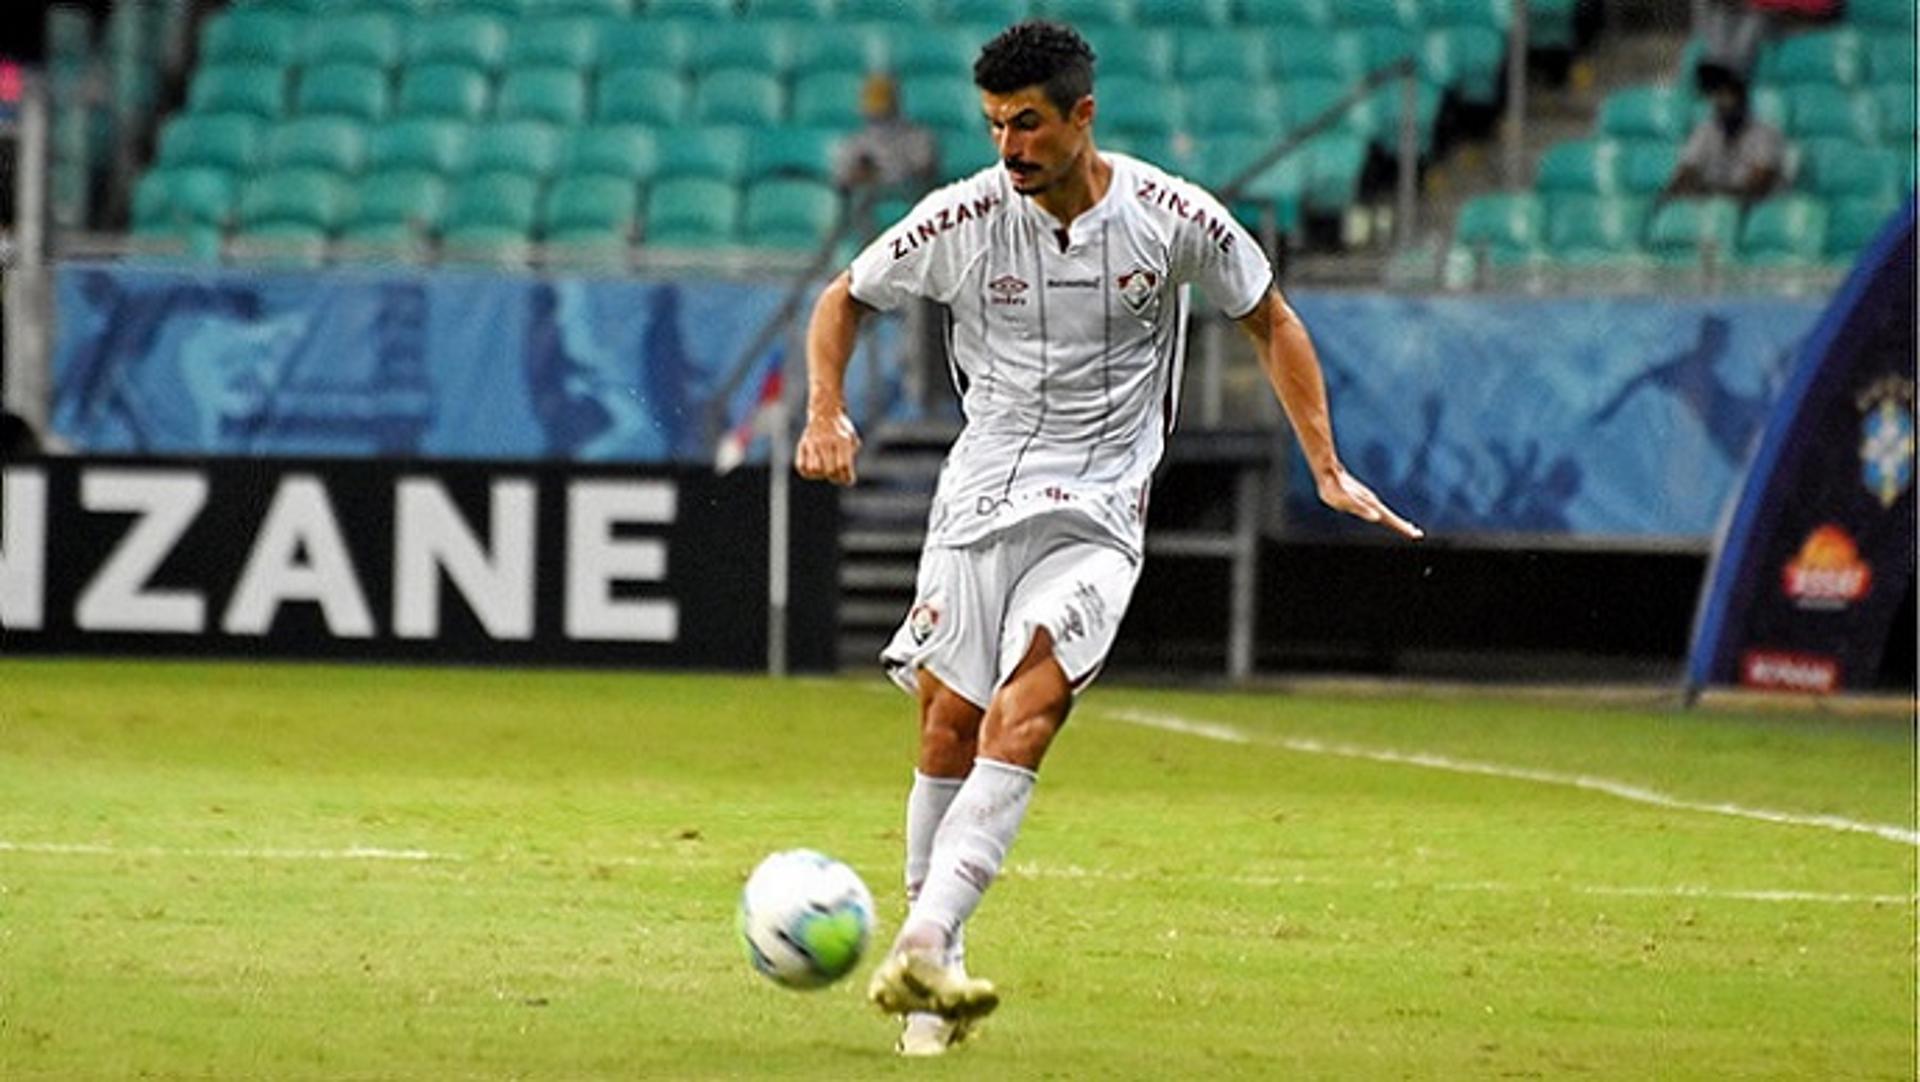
927, 804
968, 850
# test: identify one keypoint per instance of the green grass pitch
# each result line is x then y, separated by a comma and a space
289, 872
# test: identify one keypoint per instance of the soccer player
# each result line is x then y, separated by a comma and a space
1064, 270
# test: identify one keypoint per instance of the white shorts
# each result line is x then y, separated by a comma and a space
977, 608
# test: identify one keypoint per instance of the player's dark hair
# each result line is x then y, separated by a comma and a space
1037, 53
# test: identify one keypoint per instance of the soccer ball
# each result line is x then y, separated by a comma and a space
804, 919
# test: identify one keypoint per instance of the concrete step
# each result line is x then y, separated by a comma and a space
867, 503
871, 616
895, 575
881, 541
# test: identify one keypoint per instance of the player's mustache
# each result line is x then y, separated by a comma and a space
1018, 166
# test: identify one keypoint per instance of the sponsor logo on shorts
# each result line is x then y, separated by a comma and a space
1828, 574
1789, 670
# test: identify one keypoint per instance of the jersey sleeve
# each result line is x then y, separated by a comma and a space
1215, 252
903, 262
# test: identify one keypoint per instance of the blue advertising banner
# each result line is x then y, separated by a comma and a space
1617, 417
174, 361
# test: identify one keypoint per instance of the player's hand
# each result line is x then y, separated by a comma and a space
827, 448
1343, 491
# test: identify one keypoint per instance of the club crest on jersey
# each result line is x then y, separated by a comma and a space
1138, 289
922, 622
1007, 289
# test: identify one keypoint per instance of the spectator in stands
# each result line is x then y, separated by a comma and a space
1730, 152
891, 155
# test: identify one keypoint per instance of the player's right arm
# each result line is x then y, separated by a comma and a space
830, 443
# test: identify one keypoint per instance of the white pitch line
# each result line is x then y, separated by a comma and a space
1623, 790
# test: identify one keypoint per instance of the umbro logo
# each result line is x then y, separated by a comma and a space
1007, 289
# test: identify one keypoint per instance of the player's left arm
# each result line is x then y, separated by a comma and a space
1293, 368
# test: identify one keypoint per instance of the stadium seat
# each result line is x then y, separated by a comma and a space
1210, 53
738, 96
1495, 15
828, 99
1786, 230
1090, 14
579, 208
1891, 17
1335, 170
1821, 56
221, 141
848, 49
1131, 52
1183, 14
642, 96
807, 11
307, 198
939, 101
1840, 169
242, 37
791, 152
617, 151
200, 196
693, 212
373, 40
1580, 167
761, 47
565, 42
1502, 229
691, 10
1384, 45
601, 9
1820, 111
1306, 100
709, 153
434, 146
964, 153
1891, 60
505, 201
350, 91
550, 95
996, 12
1395, 14
1465, 60
1894, 108
1138, 107
327, 143
1693, 232
474, 40
1287, 16
252, 89
402, 205
649, 43
1646, 167
917, 12
1340, 56
1852, 224
1662, 113
1594, 228
1281, 187
1551, 25
911, 51
527, 148
445, 91
1386, 105
1236, 107
789, 214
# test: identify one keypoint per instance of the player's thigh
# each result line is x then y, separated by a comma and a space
1077, 589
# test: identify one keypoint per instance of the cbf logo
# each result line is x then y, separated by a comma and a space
1886, 438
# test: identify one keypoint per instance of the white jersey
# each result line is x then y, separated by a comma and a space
1068, 358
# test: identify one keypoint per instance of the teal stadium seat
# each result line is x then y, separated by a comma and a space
1467, 61
586, 208
349, 91
649, 96
550, 95
250, 89
527, 148
1654, 113
1495, 15
1503, 229
1337, 56
964, 153
1131, 52
805, 11
1335, 170
1840, 169
939, 101
1387, 103
1137, 107
1891, 17
996, 12
622, 150
1287, 16
1551, 25
1184, 14
1894, 108
916, 51
1089, 15
916, 12
185, 196
1590, 229
373, 40
246, 37
303, 198
433, 146
828, 99
1645, 167
845, 49
1228, 106
789, 214
761, 47
334, 145
228, 142
1694, 232
1279, 188
1853, 223
407, 203
570, 42
1384, 45
650, 43
465, 38
1891, 60
1210, 53
692, 212
600, 9
1580, 167
711, 153
791, 152
504, 202
739, 96
1821, 56
1821, 111
1395, 14
1307, 100
711, 11
1788, 230
445, 91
